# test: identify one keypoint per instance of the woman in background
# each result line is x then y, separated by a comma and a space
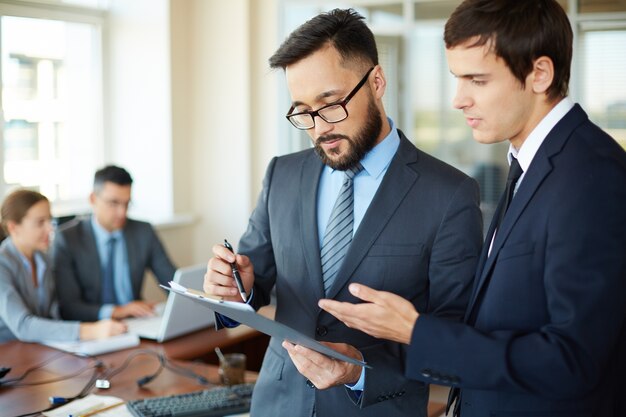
28, 307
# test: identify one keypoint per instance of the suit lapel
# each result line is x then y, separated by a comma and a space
538, 170
309, 182
91, 255
396, 184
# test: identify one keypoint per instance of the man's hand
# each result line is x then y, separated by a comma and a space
322, 371
101, 329
384, 315
137, 308
219, 281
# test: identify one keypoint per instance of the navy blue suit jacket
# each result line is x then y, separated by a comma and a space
544, 333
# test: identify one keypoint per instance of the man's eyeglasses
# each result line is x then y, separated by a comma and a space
331, 113
116, 204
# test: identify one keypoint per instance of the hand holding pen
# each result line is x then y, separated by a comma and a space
236, 276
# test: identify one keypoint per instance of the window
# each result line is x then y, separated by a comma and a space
603, 80
422, 88
51, 101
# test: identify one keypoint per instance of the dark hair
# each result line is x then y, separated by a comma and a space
111, 173
520, 31
16, 205
344, 29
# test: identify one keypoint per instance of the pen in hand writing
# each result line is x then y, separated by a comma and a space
233, 267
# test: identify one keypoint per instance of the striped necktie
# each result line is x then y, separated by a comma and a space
108, 295
338, 234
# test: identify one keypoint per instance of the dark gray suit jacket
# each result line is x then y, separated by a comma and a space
420, 238
77, 265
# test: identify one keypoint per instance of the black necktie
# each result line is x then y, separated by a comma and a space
108, 280
515, 171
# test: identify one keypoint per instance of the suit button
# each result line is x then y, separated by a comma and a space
427, 373
321, 330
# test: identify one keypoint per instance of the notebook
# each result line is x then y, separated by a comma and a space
96, 347
177, 316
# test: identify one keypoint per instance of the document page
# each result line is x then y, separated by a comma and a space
96, 347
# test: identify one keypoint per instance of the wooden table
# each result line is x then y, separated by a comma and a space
25, 399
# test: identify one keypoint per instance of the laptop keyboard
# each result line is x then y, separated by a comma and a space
149, 326
214, 402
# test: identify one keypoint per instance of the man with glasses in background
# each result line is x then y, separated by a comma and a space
365, 205
100, 261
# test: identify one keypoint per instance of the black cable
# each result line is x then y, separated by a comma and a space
164, 362
88, 387
33, 368
186, 372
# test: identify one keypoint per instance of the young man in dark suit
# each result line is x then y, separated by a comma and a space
100, 261
544, 330
406, 222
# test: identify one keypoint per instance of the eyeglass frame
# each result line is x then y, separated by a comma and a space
343, 103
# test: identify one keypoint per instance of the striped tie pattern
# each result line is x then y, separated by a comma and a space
338, 234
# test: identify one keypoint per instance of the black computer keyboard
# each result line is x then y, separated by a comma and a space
214, 402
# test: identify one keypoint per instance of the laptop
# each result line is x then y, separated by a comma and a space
178, 315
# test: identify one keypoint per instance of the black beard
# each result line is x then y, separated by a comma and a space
358, 147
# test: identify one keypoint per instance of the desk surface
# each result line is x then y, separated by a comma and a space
24, 399
198, 344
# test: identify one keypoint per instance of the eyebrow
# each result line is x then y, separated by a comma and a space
319, 97
469, 75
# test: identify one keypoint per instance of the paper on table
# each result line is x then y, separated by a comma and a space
87, 404
96, 347
245, 314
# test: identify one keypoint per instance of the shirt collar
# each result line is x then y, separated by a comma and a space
103, 235
40, 263
379, 157
529, 148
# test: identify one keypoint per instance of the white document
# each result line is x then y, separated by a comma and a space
245, 314
89, 404
96, 347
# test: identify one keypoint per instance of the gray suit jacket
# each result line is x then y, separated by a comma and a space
22, 315
420, 238
77, 265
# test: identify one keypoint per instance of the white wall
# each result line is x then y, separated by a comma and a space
137, 96
223, 113
193, 114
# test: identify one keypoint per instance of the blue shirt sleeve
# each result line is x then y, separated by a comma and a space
105, 312
229, 323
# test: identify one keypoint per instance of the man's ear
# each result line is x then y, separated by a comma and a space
380, 82
542, 75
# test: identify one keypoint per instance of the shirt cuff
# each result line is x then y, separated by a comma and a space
360, 384
106, 311
229, 323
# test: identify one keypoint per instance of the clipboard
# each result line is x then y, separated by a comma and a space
245, 314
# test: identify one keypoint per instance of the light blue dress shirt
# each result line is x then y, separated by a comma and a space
121, 282
366, 183
41, 266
